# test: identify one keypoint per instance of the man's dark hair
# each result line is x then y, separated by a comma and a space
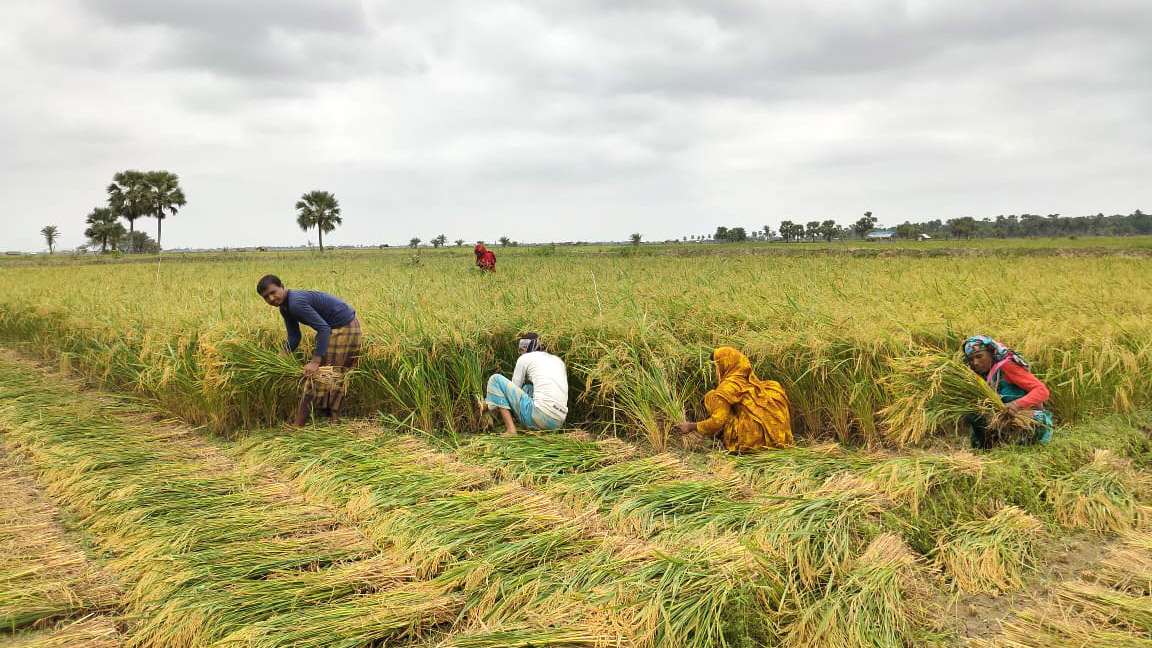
267, 280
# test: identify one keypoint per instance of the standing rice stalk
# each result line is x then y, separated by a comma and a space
636, 382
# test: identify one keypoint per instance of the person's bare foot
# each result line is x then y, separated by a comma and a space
509, 422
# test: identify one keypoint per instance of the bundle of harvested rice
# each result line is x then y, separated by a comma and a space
1103, 496
817, 534
908, 479
882, 602
1056, 628
1129, 567
990, 555
533, 638
932, 393
538, 458
88, 632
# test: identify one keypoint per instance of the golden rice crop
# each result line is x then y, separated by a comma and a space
636, 346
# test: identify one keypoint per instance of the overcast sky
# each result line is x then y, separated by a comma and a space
555, 120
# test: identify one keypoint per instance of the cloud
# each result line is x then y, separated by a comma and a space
573, 119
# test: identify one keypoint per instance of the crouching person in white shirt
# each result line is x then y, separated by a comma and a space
537, 394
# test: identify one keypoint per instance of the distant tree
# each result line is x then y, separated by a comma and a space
864, 225
737, 235
439, 240
413, 242
907, 230
103, 228
829, 229
786, 230
165, 197
50, 234
812, 230
459, 242
505, 241
129, 196
962, 227
721, 234
141, 243
767, 232
318, 209
635, 238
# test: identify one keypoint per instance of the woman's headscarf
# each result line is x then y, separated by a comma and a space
761, 400
999, 351
738, 380
479, 249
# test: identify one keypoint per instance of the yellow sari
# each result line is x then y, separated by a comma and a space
748, 414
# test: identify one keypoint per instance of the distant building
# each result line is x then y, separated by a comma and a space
880, 235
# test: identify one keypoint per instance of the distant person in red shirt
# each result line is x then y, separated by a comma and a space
1010, 376
485, 260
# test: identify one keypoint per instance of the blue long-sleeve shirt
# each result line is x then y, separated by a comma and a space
321, 311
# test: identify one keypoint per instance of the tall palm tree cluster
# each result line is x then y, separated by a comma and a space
131, 195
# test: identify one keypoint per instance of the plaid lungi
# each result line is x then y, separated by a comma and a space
329, 384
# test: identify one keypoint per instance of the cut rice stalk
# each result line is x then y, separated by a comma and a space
990, 555
1103, 496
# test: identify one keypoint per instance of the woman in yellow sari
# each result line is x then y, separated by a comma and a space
748, 414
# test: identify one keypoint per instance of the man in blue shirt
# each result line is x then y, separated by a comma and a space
337, 343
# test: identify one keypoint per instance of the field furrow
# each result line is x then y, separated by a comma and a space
44, 574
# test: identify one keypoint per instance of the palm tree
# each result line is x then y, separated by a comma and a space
413, 242
318, 209
439, 240
50, 233
459, 242
635, 238
128, 196
104, 226
505, 241
165, 197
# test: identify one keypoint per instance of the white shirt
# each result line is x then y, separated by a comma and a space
549, 381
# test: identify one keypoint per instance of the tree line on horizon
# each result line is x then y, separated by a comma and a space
157, 194
966, 227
